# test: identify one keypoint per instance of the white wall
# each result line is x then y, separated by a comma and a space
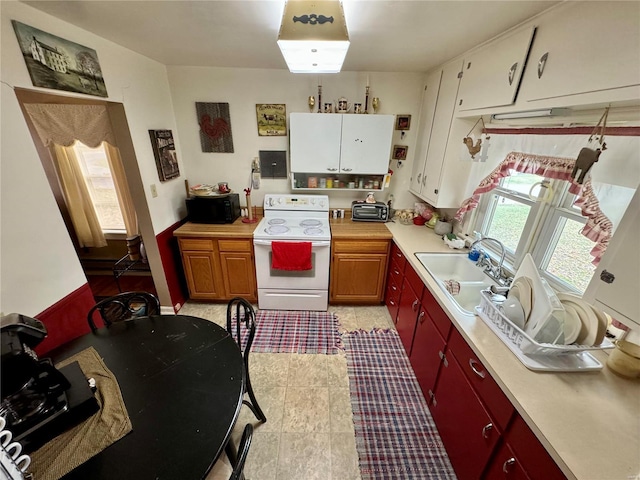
38, 263
244, 88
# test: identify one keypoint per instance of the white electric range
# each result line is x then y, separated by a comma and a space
293, 218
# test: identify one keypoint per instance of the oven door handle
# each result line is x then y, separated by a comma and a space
321, 243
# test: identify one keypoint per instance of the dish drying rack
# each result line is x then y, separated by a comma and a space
534, 355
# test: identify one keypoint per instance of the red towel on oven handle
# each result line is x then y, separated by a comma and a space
291, 255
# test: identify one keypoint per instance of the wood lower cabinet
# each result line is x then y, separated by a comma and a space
358, 269
219, 269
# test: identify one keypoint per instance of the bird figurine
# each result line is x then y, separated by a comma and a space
473, 149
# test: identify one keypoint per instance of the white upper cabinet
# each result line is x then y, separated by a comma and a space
433, 171
337, 143
427, 112
366, 143
583, 48
491, 76
615, 284
315, 142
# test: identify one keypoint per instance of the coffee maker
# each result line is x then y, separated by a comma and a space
38, 401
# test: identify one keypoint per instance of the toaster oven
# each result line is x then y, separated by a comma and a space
369, 212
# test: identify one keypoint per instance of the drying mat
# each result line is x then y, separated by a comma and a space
284, 331
395, 434
79, 444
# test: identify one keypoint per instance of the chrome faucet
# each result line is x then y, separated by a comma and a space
494, 272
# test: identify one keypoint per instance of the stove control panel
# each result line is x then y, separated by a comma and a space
296, 202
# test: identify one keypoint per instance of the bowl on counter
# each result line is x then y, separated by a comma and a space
624, 359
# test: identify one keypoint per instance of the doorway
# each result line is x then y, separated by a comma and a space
109, 269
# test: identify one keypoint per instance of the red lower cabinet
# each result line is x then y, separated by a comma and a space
505, 466
468, 432
427, 353
523, 452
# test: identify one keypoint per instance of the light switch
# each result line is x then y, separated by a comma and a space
154, 190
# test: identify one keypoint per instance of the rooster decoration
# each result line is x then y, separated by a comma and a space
216, 129
473, 149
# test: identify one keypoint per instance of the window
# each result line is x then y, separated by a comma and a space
549, 230
97, 174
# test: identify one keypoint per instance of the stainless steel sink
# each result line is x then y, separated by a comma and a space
456, 266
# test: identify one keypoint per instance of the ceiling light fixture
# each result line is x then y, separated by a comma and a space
545, 112
313, 36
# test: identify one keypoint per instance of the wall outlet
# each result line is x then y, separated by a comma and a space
154, 190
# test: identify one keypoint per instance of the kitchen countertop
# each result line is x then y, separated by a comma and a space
236, 229
345, 228
589, 422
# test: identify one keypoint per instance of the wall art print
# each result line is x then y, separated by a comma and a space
56, 63
215, 127
164, 151
272, 119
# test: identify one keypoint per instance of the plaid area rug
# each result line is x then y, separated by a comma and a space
395, 434
281, 331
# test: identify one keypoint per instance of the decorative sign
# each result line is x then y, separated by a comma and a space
56, 63
272, 119
164, 152
215, 127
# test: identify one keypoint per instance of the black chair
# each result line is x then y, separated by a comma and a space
243, 452
240, 312
124, 306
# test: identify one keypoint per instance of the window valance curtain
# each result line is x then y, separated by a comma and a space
64, 124
598, 228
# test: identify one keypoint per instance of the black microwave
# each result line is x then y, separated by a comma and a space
213, 209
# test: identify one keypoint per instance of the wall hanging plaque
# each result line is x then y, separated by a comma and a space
56, 63
164, 151
272, 119
215, 127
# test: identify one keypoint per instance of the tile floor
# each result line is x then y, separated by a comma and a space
309, 432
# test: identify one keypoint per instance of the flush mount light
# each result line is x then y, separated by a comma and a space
545, 112
313, 36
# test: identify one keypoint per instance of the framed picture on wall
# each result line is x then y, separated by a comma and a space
164, 152
56, 63
403, 122
400, 152
272, 119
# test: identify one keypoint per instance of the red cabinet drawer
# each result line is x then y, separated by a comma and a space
395, 272
398, 256
392, 298
485, 386
437, 314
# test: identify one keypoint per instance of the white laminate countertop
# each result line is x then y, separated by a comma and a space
589, 422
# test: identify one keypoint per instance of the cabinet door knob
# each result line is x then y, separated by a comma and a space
541, 63
607, 277
414, 305
421, 317
512, 72
333, 169
472, 364
347, 169
486, 429
507, 464
419, 177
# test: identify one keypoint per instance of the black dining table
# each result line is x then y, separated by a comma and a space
182, 381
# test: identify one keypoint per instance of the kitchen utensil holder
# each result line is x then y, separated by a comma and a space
508, 332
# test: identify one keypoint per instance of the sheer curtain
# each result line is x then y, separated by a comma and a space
59, 126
